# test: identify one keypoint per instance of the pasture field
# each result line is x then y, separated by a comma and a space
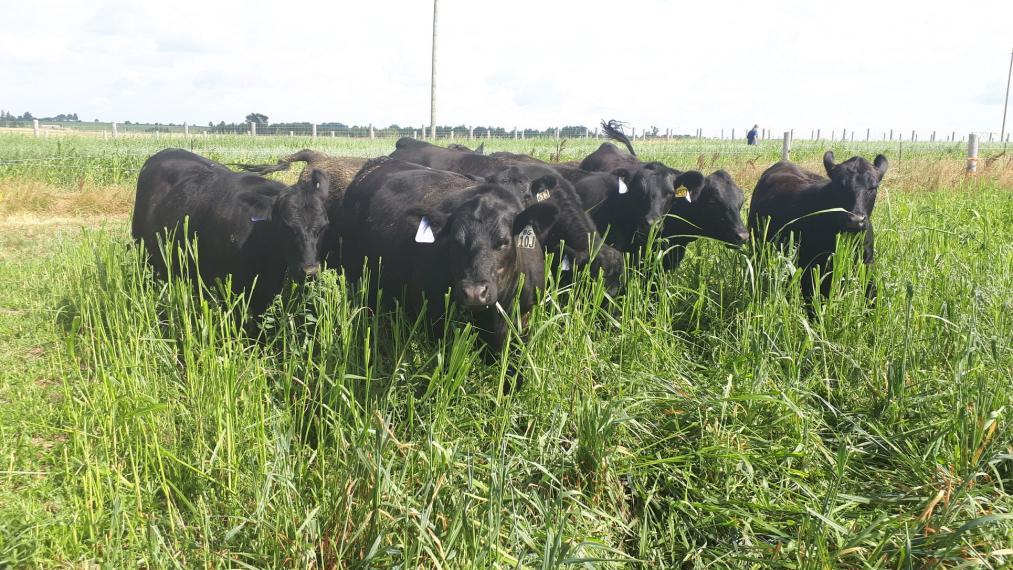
702, 419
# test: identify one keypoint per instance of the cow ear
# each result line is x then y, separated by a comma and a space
540, 216
540, 187
828, 161
319, 182
693, 182
881, 165
258, 207
480, 149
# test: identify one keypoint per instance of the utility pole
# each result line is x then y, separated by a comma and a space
1002, 133
432, 83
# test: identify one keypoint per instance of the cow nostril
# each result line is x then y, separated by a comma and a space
311, 270
743, 236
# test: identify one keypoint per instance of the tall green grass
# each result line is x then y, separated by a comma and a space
701, 419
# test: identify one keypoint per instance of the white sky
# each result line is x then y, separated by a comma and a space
711, 64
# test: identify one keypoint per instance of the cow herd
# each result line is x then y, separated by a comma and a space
428, 219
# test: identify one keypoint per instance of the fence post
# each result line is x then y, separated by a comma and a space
867, 129
515, 133
953, 136
115, 134
844, 134
35, 127
488, 133
722, 134
372, 133
314, 126
451, 133
733, 134
818, 134
557, 133
891, 135
253, 129
471, 133
989, 137
333, 135
186, 130
913, 136
522, 134
786, 146
972, 153
852, 136
933, 138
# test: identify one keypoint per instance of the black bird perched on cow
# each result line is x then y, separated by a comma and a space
792, 203
423, 231
246, 227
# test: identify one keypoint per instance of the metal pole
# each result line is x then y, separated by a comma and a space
1009, 75
432, 93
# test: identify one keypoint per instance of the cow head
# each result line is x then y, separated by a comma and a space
299, 219
853, 185
650, 191
708, 207
482, 238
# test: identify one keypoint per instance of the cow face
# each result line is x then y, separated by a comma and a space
711, 207
300, 219
853, 186
481, 239
651, 188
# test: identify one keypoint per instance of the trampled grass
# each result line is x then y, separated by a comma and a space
702, 419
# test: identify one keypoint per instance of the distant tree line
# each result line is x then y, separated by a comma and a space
265, 127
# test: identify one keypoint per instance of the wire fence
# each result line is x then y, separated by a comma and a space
75, 160
476, 134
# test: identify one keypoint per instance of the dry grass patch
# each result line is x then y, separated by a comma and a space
31, 197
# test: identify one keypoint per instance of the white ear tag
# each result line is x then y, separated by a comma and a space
566, 264
526, 238
622, 187
425, 232
688, 199
542, 196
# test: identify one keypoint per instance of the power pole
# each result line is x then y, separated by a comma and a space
1002, 133
432, 83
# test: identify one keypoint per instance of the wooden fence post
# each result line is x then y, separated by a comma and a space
471, 133
314, 130
186, 130
372, 133
115, 134
488, 133
515, 133
786, 146
817, 134
733, 134
253, 129
867, 129
972, 154
35, 127
891, 135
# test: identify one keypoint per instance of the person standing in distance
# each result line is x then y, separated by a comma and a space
752, 135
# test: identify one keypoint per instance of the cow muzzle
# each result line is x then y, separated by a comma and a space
856, 222
477, 294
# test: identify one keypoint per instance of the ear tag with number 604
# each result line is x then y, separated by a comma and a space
527, 239
542, 196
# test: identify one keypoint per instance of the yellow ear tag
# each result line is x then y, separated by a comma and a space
681, 192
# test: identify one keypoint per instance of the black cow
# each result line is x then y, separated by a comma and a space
436, 230
246, 226
711, 207
651, 184
789, 201
574, 225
